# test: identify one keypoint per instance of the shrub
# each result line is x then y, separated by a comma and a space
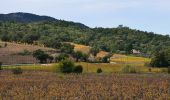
129, 69
99, 70
147, 64
78, 69
169, 69
5, 45
0, 65
105, 59
66, 66
150, 70
17, 70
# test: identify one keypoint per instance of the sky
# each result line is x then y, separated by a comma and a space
146, 15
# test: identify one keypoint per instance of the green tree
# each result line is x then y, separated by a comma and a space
160, 60
94, 51
105, 59
41, 56
66, 66
61, 57
67, 48
78, 55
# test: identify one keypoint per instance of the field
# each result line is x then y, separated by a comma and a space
45, 82
38, 85
9, 54
128, 59
89, 68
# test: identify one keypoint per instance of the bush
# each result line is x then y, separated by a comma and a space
0, 65
99, 70
150, 70
17, 70
169, 69
78, 69
66, 66
5, 45
147, 64
129, 69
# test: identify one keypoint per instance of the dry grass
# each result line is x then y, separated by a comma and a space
82, 48
101, 54
123, 59
44, 85
8, 54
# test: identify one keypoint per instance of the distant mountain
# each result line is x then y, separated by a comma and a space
29, 18
24, 17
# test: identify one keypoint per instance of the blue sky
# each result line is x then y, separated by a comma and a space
147, 15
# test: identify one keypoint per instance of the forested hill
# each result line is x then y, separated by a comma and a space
28, 28
24, 17
28, 18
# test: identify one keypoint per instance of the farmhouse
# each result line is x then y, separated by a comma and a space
134, 51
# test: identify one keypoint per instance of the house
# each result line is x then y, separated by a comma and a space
134, 51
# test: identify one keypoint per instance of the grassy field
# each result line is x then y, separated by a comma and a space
38, 85
91, 68
124, 59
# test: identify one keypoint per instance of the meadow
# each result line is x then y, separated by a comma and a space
89, 68
39, 85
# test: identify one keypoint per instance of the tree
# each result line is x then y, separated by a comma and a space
66, 66
128, 48
85, 57
5, 37
51, 58
61, 57
41, 56
160, 60
105, 59
67, 48
78, 55
94, 51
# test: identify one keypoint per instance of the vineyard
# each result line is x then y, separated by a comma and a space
45, 85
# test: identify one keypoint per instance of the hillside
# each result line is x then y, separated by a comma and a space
51, 32
13, 53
